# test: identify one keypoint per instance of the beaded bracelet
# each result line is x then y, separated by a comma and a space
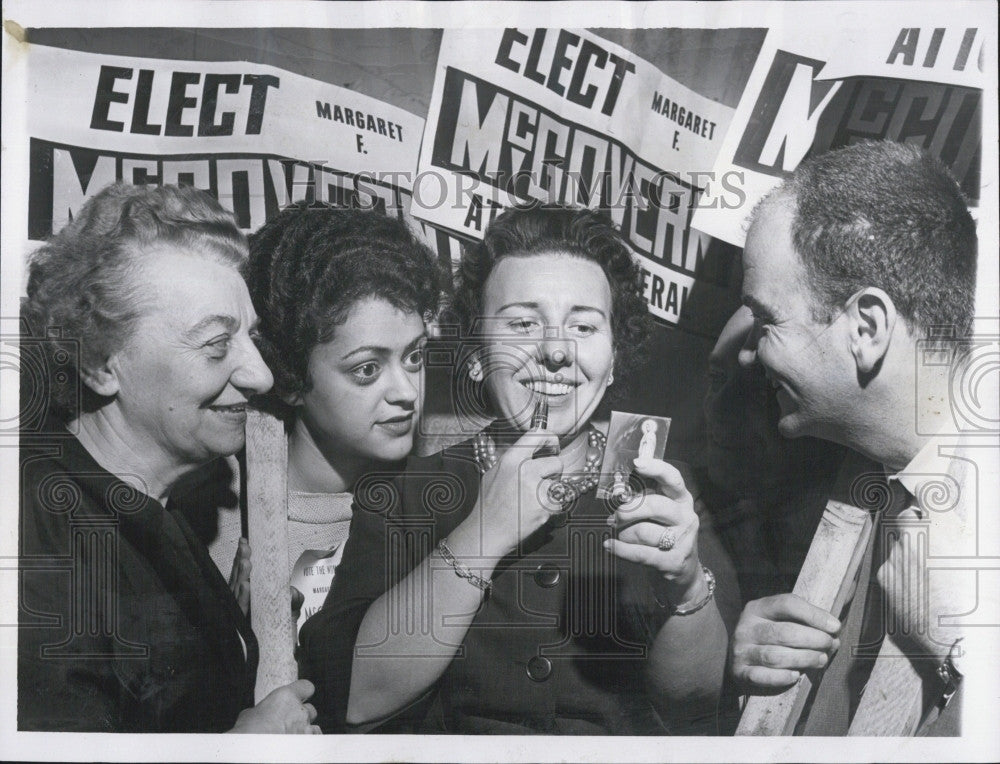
685, 609
463, 571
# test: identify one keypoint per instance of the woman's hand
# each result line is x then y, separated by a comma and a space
659, 529
686, 664
513, 498
282, 711
239, 578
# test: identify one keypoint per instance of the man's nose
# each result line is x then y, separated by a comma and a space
748, 353
748, 356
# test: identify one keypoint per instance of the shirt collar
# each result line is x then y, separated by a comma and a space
927, 462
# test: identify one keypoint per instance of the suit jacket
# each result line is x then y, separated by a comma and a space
125, 623
940, 486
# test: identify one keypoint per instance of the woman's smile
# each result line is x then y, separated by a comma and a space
553, 388
235, 412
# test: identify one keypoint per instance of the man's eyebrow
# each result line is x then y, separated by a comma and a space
758, 308
229, 323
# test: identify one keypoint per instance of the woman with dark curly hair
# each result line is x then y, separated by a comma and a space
343, 297
506, 598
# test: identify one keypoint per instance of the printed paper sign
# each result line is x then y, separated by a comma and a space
812, 90
312, 576
254, 136
522, 116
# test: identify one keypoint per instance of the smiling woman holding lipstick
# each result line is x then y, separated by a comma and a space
509, 600
343, 296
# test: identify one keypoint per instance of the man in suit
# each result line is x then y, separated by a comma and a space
860, 264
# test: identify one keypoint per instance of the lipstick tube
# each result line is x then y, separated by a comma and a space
540, 421
540, 418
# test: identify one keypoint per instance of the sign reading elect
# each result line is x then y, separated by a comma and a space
251, 88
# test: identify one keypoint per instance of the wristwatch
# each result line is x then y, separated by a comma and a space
949, 673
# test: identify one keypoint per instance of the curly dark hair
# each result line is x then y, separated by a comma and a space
587, 234
309, 265
82, 284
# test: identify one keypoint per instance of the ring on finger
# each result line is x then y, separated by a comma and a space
667, 540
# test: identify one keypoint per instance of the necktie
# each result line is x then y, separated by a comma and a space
892, 701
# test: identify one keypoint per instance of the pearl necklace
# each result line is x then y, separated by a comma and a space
567, 488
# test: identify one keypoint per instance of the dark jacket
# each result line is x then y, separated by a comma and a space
557, 648
125, 623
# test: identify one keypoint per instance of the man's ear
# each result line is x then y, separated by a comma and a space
102, 377
872, 319
475, 368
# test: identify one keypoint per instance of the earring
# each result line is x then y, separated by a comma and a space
475, 370
611, 378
